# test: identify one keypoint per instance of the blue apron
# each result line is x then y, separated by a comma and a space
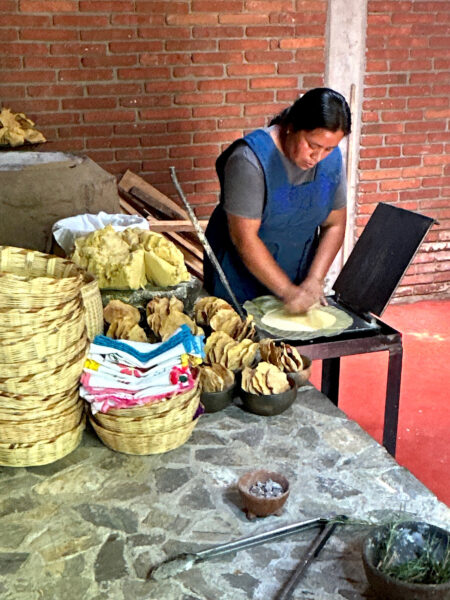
289, 223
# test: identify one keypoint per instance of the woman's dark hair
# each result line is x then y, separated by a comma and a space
319, 108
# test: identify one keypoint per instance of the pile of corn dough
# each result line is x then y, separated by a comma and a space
130, 259
16, 129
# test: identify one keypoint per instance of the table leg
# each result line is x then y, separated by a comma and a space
392, 398
330, 378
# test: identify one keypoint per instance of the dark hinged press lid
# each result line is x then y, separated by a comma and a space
380, 258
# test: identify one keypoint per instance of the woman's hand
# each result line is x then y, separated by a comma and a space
299, 298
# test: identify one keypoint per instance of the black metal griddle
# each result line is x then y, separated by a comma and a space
363, 290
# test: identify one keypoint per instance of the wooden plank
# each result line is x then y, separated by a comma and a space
192, 256
164, 226
181, 241
159, 200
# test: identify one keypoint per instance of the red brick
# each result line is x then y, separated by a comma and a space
137, 19
24, 21
109, 116
80, 21
10, 62
254, 69
243, 19
107, 34
161, 7
87, 103
167, 139
159, 114
306, 42
129, 60
217, 32
216, 6
222, 58
106, 89
146, 101
191, 125
273, 83
266, 6
247, 97
85, 75
144, 73
275, 56
51, 35
223, 84
57, 90
135, 46
86, 131
202, 112
261, 109
13, 92
189, 45
178, 85
425, 126
380, 174
162, 33
199, 71
392, 163
399, 184
28, 76
104, 6
48, 6
197, 19
51, 62
311, 5
308, 67
243, 44
165, 59
78, 49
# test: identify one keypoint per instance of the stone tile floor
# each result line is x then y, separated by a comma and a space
92, 524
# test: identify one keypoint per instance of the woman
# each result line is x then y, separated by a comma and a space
281, 218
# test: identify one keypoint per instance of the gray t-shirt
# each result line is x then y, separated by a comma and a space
245, 189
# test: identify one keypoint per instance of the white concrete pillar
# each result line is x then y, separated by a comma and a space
344, 72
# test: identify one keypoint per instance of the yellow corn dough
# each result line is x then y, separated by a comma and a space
130, 259
312, 320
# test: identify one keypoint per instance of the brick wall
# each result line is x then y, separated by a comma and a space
146, 84
405, 143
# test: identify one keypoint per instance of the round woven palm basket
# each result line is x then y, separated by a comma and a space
35, 367
49, 382
30, 320
132, 443
152, 424
44, 344
31, 454
153, 409
32, 279
92, 301
25, 404
45, 426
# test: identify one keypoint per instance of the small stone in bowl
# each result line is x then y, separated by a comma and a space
266, 489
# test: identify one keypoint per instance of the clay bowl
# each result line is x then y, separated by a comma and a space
301, 377
408, 541
215, 401
268, 405
262, 507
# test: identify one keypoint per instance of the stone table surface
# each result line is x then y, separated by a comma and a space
89, 526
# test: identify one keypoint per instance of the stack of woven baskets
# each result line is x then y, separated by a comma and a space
43, 343
151, 428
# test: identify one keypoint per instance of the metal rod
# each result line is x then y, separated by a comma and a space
209, 251
312, 552
183, 562
260, 538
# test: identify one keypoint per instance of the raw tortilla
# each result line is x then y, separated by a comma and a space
312, 320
